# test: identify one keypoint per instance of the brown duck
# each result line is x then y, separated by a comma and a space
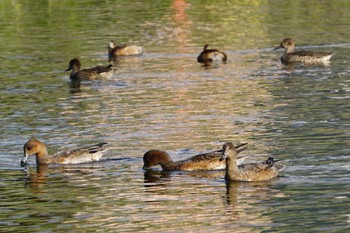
74, 156
209, 55
248, 172
115, 50
290, 55
95, 73
206, 161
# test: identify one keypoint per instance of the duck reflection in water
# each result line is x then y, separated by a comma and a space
151, 176
248, 201
160, 177
44, 176
36, 180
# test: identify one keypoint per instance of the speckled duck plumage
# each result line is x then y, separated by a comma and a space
290, 55
73, 156
95, 73
248, 172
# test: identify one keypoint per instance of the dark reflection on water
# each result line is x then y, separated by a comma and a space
159, 177
165, 100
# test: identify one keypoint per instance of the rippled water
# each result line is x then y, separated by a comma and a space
165, 100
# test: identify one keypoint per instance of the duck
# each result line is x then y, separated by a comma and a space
74, 156
206, 161
209, 55
95, 73
290, 55
266, 170
123, 50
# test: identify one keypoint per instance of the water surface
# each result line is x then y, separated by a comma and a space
165, 100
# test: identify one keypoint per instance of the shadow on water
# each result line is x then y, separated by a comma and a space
153, 177
255, 192
250, 202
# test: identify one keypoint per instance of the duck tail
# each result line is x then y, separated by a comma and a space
97, 147
140, 50
279, 166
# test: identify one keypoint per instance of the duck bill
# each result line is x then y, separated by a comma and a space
24, 160
278, 47
223, 157
277, 160
240, 147
67, 69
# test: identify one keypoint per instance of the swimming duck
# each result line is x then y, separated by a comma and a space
206, 161
248, 172
74, 156
98, 72
123, 50
301, 56
208, 55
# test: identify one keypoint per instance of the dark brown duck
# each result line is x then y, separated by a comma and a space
206, 161
95, 73
209, 55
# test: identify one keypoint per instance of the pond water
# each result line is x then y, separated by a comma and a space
165, 100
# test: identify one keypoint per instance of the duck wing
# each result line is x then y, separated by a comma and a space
213, 155
315, 54
279, 166
98, 72
100, 69
206, 161
254, 167
211, 55
118, 47
83, 154
218, 55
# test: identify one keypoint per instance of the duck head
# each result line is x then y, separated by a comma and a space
155, 157
230, 150
32, 147
270, 161
111, 44
287, 43
74, 64
206, 47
